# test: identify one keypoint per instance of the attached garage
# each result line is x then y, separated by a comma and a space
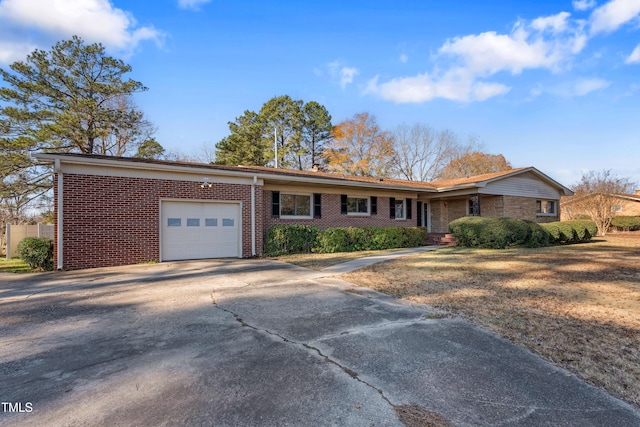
200, 230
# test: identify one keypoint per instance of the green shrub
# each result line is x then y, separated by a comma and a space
585, 229
538, 236
626, 223
553, 230
496, 233
570, 231
349, 239
37, 252
290, 239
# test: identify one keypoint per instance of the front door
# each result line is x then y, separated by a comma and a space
426, 220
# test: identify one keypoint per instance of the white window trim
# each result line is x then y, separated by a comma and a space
469, 210
310, 216
543, 205
368, 213
404, 210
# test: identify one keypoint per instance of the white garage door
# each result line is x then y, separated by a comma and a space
194, 230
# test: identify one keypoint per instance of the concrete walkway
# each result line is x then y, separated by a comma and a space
355, 264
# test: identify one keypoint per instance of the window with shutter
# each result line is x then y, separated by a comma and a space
317, 205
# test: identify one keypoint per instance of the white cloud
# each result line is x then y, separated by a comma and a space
525, 47
611, 16
634, 58
404, 58
585, 86
93, 20
463, 64
192, 4
343, 74
346, 76
555, 23
580, 87
455, 85
583, 4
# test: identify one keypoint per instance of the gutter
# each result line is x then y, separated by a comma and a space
58, 170
253, 215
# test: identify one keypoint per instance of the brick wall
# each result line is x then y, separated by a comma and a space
525, 208
331, 216
116, 220
446, 210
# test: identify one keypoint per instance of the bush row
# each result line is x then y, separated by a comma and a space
497, 233
37, 252
500, 233
626, 223
576, 231
289, 239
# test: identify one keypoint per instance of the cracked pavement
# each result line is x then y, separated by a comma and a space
258, 342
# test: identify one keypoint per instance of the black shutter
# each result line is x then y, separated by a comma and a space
374, 205
343, 204
317, 205
275, 204
392, 208
419, 213
408, 208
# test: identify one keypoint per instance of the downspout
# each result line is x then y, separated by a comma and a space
58, 170
253, 216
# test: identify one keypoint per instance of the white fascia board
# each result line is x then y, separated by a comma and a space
195, 170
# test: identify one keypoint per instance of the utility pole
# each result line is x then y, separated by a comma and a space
275, 143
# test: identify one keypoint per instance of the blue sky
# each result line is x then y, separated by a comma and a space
551, 84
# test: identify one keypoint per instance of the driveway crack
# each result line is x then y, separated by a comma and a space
306, 346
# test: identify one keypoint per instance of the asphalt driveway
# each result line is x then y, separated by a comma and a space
257, 342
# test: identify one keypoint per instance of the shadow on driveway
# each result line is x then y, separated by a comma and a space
256, 342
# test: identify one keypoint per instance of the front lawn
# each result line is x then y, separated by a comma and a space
13, 265
578, 306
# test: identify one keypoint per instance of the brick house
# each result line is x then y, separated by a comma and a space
115, 211
626, 205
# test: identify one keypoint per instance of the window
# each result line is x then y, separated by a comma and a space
473, 206
399, 208
193, 222
227, 222
211, 222
616, 208
545, 207
174, 222
295, 205
358, 205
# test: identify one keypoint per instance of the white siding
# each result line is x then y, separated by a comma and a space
525, 185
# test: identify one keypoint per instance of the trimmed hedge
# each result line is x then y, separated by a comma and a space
626, 223
497, 232
570, 231
37, 252
289, 239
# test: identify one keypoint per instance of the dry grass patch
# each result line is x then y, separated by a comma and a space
578, 306
320, 261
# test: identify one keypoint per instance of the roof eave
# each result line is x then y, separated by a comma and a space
210, 170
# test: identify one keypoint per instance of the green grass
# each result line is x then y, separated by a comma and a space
14, 265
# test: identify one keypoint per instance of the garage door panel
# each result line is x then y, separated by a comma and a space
195, 230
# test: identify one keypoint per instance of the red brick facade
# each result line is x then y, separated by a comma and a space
116, 220
111, 207
332, 216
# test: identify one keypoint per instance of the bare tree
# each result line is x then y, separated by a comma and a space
422, 152
595, 196
127, 129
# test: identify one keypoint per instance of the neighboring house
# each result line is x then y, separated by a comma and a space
114, 211
626, 205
